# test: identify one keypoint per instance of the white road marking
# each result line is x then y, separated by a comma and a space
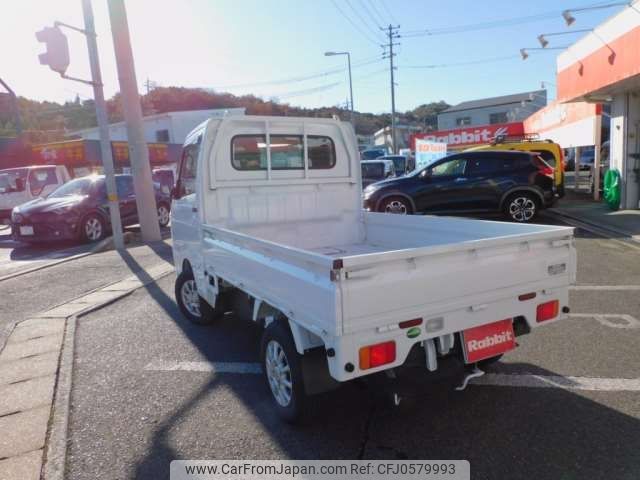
606, 287
489, 379
213, 367
557, 381
608, 319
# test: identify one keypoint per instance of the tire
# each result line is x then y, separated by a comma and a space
397, 205
521, 207
278, 352
164, 214
92, 228
194, 308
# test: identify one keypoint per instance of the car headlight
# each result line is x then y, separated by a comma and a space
367, 192
15, 216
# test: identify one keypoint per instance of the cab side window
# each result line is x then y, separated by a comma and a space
189, 167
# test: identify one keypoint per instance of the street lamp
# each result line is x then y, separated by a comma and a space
570, 19
332, 54
544, 42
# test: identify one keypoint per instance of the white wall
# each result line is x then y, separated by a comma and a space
625, 139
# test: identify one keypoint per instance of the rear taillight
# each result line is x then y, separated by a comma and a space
547, 311
379, 354
546, 170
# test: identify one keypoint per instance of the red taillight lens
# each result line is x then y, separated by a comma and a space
410, 323
379, 354
546, 170
547, 311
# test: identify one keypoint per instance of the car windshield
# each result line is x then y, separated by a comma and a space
8, 180
372, 170
79, 186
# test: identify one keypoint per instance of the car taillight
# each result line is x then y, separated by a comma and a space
546, 170
379, 354
547, 311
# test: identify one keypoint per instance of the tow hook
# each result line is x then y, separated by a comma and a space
475, 373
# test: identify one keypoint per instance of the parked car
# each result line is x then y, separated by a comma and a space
517, 183
403, 164
79, 210
341, 293
376, 170
372, 153
164, 178
549, 151
19, 185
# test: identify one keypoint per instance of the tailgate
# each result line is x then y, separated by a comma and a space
391, 288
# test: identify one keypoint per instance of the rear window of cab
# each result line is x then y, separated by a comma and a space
249, 152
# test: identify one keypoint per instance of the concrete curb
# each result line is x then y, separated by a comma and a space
28, 381
608, 232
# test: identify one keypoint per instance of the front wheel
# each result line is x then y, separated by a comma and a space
282, 369
92, 228
191, 304
397, 205
521, 207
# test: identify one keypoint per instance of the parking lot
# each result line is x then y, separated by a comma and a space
149, 387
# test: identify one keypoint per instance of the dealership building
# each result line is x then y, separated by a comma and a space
604, 67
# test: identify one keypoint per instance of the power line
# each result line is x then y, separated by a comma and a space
308, 91
364, 22
376, 11
461, 64
370, 14
284, 81
355, 25
386, 9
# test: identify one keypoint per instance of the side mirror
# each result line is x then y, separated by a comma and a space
425, 174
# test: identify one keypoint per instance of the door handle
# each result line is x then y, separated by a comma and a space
460, 179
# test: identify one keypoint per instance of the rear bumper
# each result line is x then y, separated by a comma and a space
442, 330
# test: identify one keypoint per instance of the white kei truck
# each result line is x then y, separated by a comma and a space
267, 222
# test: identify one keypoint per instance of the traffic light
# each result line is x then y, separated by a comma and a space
57, 54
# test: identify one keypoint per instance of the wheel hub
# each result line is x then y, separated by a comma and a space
278, 373
190, 297
522, 209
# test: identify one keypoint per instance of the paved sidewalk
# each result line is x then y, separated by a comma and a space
619, 223
33, 379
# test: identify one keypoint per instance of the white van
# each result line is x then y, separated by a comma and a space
20, 185
267, 221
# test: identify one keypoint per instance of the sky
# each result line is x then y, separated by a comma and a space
271, 48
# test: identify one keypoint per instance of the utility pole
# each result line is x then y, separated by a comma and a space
392, 33
103, 125
138, 153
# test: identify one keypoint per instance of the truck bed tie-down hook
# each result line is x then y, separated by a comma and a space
474, 374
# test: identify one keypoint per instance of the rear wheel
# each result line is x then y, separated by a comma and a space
521, 207
397, 205
164, 214
282, 367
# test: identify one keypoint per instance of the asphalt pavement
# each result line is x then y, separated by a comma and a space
144, 393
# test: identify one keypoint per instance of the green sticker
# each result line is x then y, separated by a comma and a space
413, 332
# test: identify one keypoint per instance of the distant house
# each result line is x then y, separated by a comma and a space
491, 111
169, 127
403, 135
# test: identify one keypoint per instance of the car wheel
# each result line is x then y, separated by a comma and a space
397, 205
521, 207
93, 228
195, 308
164, 214
282, 368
